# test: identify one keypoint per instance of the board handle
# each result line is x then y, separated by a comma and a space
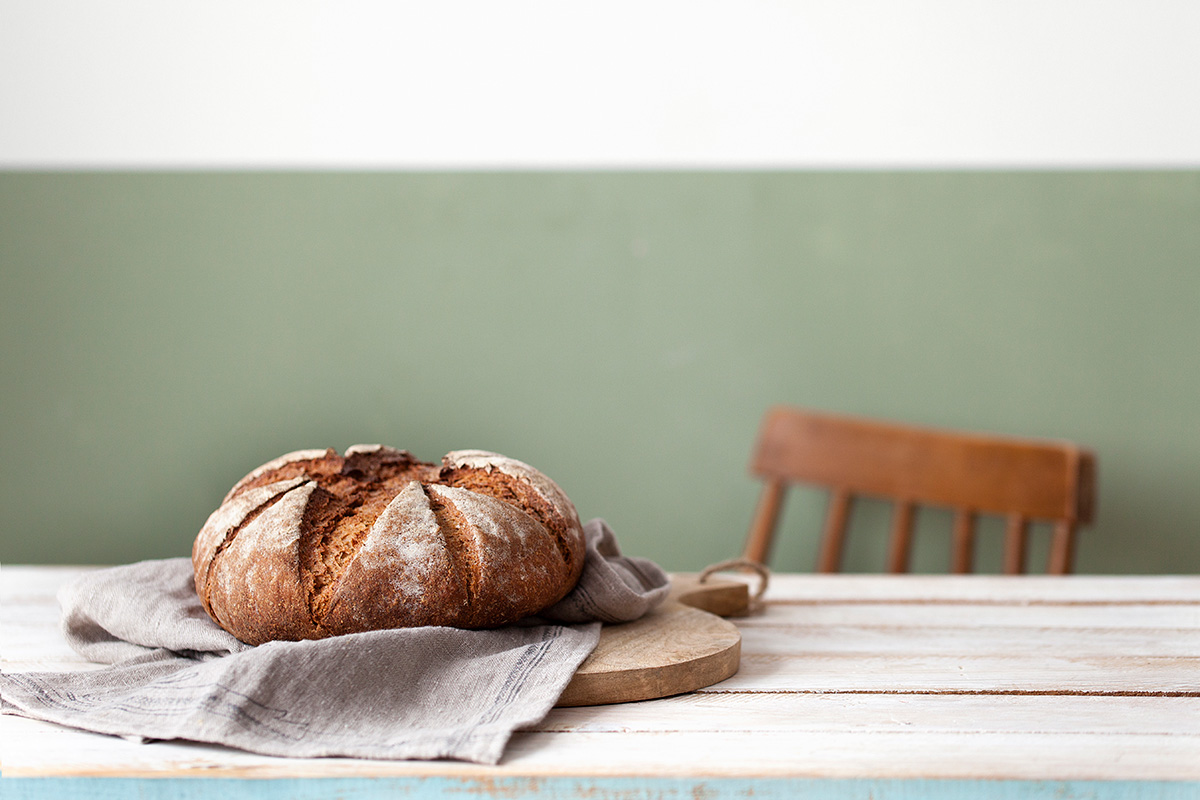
720, 596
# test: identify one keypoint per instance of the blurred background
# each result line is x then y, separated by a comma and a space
602, 242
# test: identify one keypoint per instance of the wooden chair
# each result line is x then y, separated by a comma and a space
1021, 480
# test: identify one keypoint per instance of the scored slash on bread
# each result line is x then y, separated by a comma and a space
315, 544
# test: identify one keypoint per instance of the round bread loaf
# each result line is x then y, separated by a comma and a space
316, 544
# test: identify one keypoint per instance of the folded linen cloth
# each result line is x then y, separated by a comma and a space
415, 693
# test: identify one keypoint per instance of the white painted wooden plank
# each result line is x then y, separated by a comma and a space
24, 648
761, 672
1027, 642
901, 755
36, 640
916, 714
24, 580
920, 615
39, 750
1105, 589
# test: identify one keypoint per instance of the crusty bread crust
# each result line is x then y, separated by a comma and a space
315, 544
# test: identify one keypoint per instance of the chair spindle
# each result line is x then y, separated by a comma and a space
901, 538
963, 547
1062, 548
1021, 480
766, 516
1016, 544
830, 559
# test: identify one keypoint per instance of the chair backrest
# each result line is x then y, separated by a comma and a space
1021, 480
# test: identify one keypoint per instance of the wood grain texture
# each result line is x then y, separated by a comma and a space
724, 597
673, 649
681, 646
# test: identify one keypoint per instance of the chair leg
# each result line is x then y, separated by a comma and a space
834, 535
766, 517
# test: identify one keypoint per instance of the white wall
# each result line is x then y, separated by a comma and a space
650, 83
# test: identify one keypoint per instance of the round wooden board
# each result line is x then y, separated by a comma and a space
672, 650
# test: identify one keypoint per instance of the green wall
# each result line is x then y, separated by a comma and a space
163, 333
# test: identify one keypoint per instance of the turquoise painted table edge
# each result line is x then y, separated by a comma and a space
562, 788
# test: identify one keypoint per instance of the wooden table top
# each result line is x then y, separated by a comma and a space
849, 686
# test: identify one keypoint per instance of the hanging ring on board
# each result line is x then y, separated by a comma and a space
764, 574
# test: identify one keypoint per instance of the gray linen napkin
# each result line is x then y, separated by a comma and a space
410, 693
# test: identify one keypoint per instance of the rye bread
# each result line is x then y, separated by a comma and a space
315, 544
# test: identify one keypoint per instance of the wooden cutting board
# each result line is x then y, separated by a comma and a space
681, 646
